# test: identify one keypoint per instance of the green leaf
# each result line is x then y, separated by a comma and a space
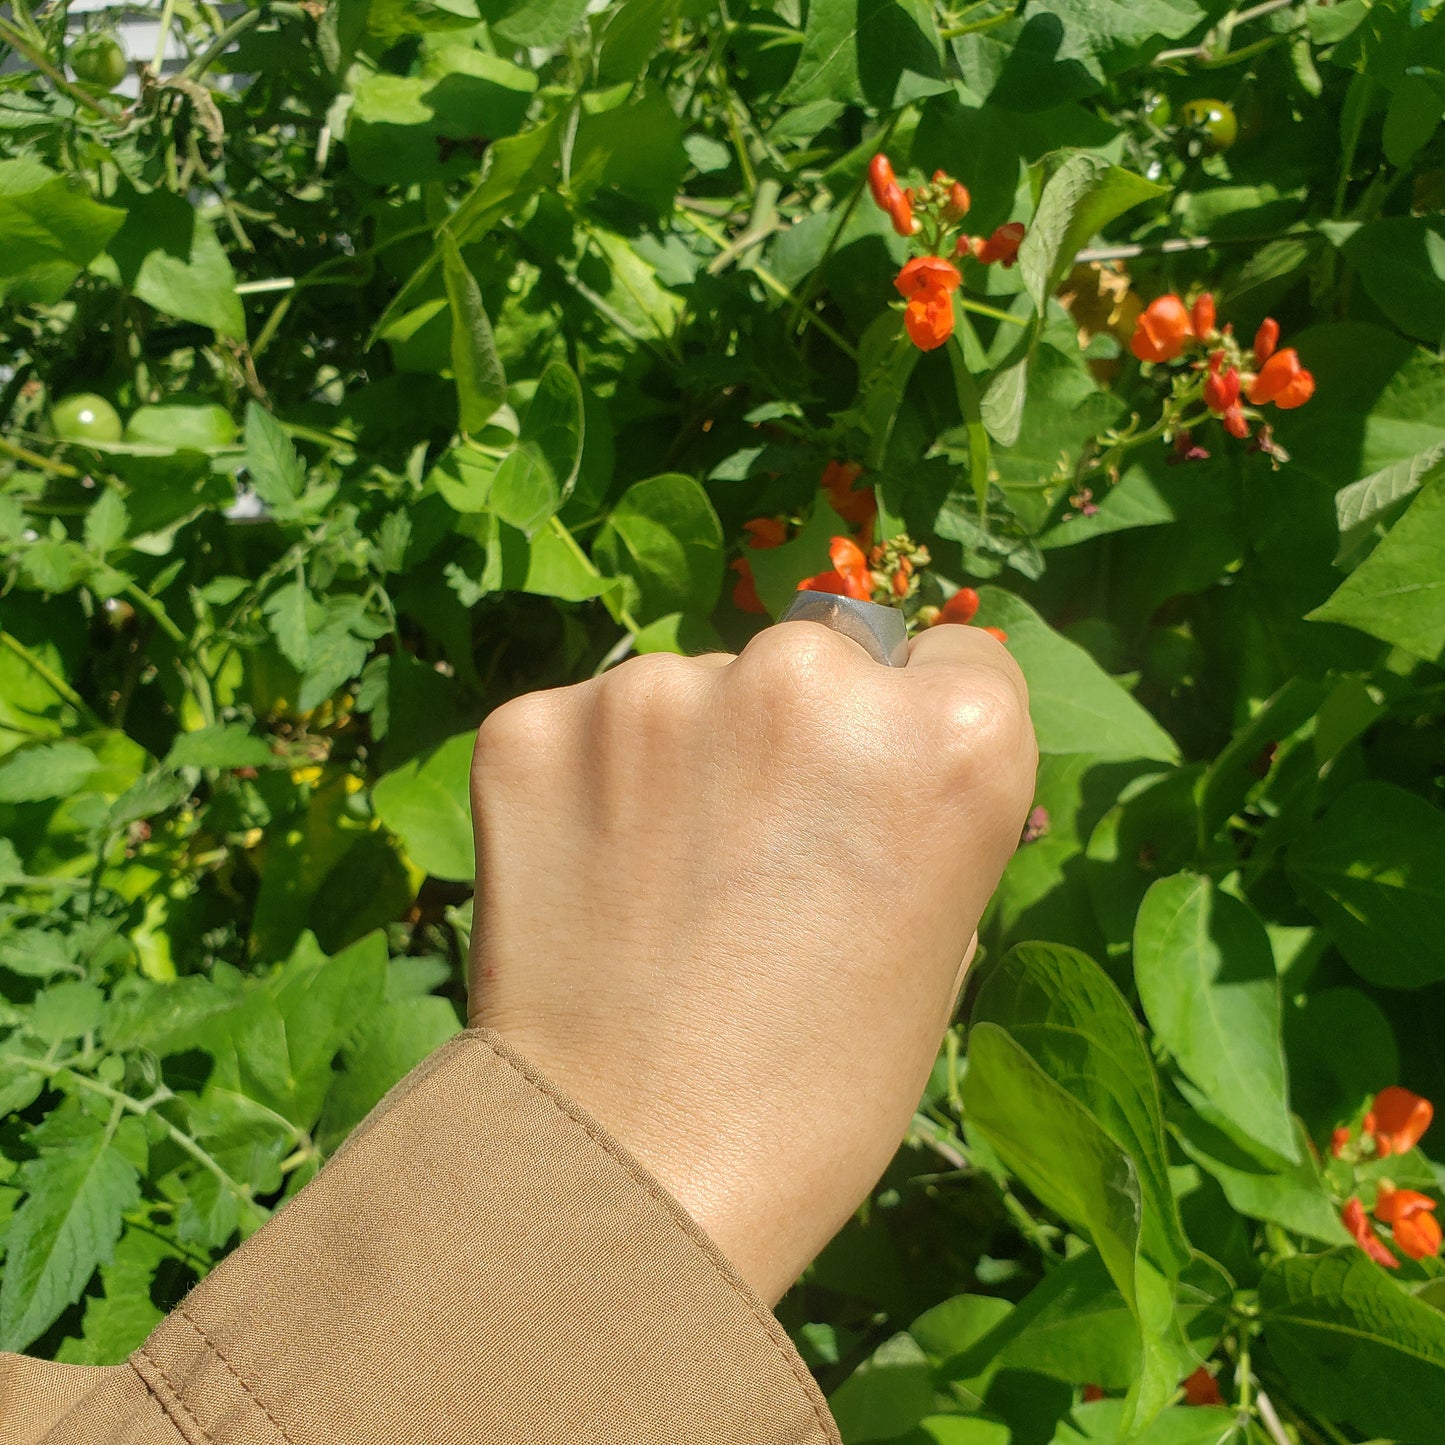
1065, 1012
533, 22
224, 745
274, 466
289, 611
1076, 706
464, 478
436, 124
1293, 1196
778, 570
426, 804
664, 536
45, 770
1055, 1146
1363, 507
66, 1011
106, 522
551, 564
45, 219
477, 368
887, 1394
1410, 118
118, 1320
1369, 870
1398, 592
1103, 1422
636, 149
1355, 1345
1081, 196
879, 53
168, 255
76, 1191
538, 475
1206, 978
1401, 262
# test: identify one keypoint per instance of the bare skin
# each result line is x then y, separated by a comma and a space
727, 904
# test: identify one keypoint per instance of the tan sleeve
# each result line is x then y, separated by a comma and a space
480, 1262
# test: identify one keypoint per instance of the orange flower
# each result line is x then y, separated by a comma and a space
1161, 330
880, 178
857, 508
926, 273
928, 319
766, 532
1411, 1215
1399, 1119
1201, 1388
745, 589
1201, 316
997, 633
849, 577
1283, 381
1092, 1393
1265, 340
1002, 246
955, 208
1339, 1142
1235, 422
961, 607
1365, 1236
899, 206
1221, 388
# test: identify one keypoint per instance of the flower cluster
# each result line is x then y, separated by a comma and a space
932, 212
1167, 329
887, 574
1393, 1125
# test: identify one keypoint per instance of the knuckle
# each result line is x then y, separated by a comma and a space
512, 735
983, 734
796, 662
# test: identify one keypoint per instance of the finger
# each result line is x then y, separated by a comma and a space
950, 645
713, 659
795, 639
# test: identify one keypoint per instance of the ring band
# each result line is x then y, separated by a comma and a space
880, 631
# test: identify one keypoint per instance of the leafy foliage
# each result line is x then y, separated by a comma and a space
455, 345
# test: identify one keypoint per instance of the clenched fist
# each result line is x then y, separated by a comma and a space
726, 903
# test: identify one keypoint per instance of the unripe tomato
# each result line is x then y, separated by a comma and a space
97, 59
1214, 120
85, 417
184, 423
1156, 108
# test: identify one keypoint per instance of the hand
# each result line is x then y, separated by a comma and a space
727, 904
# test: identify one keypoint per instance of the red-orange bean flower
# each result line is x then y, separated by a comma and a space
961, 607
857, 508
1162, 329
850, 575
1265, 340
1358, 1223
1002, 246
928, 282
1201, 316
1282, 380
1411, 1215
1400, 1120
1201, 1388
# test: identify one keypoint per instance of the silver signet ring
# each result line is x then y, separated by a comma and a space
880, 631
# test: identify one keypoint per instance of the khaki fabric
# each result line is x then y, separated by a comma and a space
479, 1263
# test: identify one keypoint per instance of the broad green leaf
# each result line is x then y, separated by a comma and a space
273, 465
635, 149
464, 477
664, 536
425, 803
1355, 1345
66, 1011
1207, 980
1401, 262
45, 221
224, 745
1055, 1146
961, 1430
1365, 506
167, 254
533, 22
1102, 1422
778, 570
1065, 1012
551, 564
44, 771
1369, 870
1076, 706
437, 123
1081, 196
37, 953
76, 1190
887, 1394
1410, 118
476, 367
879, 53
537, 476
1293, 1196
106, 522
1398, 592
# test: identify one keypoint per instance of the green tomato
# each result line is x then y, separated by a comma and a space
182, 425
97, 59
85, 417
1157, 108
1214, 119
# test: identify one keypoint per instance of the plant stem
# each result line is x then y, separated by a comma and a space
51, 679
17, 41
981, 308
168, 13
1269, 1419
34, 459
575, 547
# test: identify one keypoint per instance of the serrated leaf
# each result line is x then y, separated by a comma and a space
274, 466
106, 522
76, 1192
290, 611
47, 770
223, 745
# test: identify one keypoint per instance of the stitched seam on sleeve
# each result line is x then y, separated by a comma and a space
165, 1394
235, 1374
673, 1211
